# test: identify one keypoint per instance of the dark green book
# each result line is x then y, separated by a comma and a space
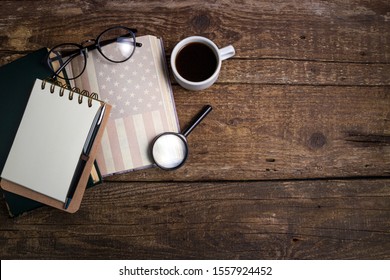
17, 79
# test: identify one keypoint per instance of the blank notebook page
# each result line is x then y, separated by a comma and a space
49, 141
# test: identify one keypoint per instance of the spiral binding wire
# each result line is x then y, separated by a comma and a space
81, 93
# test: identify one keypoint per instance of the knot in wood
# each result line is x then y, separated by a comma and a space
201, 22
317, 140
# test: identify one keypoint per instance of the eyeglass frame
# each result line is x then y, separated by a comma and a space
82, 49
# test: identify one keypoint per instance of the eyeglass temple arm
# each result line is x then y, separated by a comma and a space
109, 41
106, 42
64, 64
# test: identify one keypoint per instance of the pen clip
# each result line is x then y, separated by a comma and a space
101, 114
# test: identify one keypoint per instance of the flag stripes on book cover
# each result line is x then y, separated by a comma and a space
125, 138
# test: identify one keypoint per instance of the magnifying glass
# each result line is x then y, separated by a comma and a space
170, 150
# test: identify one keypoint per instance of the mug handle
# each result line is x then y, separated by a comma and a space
227, 52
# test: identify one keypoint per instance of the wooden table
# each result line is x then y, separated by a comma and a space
292, 163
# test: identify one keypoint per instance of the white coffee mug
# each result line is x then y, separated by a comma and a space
220, 54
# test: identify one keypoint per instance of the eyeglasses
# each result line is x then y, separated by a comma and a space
116, 44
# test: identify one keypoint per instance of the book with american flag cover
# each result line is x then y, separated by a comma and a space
143, 106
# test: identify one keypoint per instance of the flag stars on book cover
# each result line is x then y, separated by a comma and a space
134, 85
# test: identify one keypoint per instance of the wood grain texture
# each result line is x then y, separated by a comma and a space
258, 132
292, 163
257, 220
352, 31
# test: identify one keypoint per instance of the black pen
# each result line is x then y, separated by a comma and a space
84, 155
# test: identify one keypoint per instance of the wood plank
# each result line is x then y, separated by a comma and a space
258, 132
295, 72
337, 219
355, 31
303, 72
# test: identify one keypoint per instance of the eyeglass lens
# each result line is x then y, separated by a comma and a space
117, 44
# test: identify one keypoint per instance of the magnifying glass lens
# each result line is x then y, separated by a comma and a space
169, 151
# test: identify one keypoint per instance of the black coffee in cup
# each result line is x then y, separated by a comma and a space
196, 62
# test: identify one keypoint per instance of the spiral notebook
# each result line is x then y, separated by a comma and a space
54, 148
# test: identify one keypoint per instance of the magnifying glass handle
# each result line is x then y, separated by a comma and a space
202, 114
